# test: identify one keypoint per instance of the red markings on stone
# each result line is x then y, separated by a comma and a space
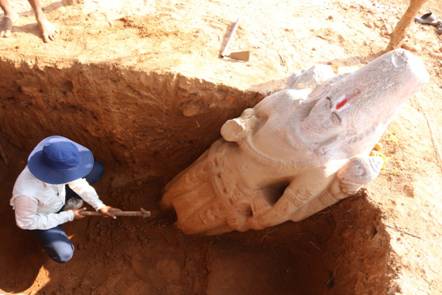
341, 103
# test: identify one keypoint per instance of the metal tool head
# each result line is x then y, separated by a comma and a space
240, 55
145, 213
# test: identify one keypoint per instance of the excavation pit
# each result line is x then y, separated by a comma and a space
148, 96
139, 125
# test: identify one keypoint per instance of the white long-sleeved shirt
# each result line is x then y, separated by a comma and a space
36, 203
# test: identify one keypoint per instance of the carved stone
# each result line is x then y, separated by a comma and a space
296, 152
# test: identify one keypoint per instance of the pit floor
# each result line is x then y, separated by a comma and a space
109, 254
152, 257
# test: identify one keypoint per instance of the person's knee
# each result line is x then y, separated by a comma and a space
99, 168
62, 254
96, 173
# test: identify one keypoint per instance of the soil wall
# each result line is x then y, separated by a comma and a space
147, 124
146, 127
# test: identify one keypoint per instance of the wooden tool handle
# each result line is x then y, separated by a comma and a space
142, 213
229, 38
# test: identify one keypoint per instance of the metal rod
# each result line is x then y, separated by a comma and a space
142, 213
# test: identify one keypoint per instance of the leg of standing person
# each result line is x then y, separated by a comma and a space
8, 18
47, 29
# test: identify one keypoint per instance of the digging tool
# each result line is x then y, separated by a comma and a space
238, 55
142, 213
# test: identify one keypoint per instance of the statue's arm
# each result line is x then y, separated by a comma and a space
296, 195
357, 172
236, 129
349, 179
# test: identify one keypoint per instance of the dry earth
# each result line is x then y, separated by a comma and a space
148, 95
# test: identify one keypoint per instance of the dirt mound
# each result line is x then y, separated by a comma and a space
149, 94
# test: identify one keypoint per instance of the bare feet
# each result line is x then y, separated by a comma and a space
47, 29
5, 26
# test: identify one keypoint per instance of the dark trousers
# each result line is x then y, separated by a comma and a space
54, 241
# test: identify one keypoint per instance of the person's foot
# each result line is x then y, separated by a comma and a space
47, 29
6, 26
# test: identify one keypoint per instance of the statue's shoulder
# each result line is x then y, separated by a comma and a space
283, 99
291, 94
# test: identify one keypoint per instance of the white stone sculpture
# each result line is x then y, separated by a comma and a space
311, 77
296, 152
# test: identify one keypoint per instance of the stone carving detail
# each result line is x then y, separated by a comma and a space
297, 151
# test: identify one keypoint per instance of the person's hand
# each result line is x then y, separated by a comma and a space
109, 211
77, 213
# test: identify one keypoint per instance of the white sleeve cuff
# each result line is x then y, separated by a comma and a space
99, 205
82, 188
68, 215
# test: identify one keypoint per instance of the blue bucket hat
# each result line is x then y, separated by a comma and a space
57, 160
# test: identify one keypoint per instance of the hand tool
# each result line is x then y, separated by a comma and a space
239, 55
142, 213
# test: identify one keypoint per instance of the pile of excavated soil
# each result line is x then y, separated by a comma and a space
148, 95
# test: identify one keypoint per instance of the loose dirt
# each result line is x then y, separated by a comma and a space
148, 95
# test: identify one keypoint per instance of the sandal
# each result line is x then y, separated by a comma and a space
428, 19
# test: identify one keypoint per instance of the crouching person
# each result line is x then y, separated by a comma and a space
51, 189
